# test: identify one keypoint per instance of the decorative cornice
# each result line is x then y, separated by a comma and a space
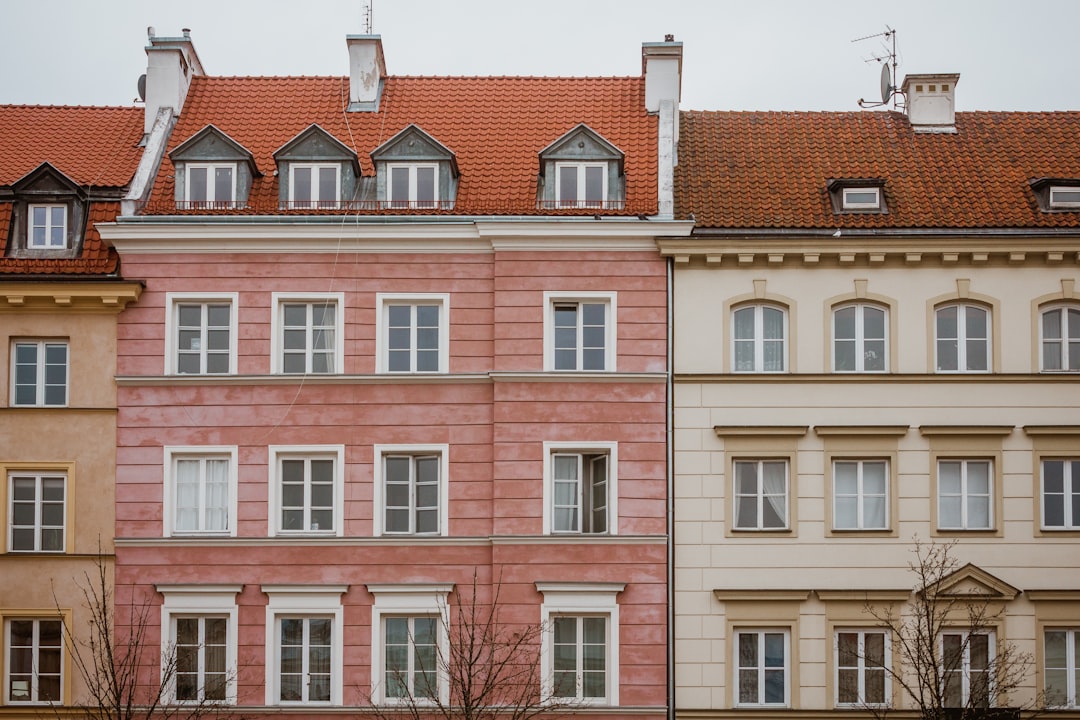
226, 543
385, 379
1052, 595
68, 296
762, 595
575, 377
760, 430
967, 430
1059, 430
863, 595
861, 430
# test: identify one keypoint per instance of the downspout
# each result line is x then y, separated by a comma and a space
669, 430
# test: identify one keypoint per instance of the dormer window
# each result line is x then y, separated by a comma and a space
314, 185
857, 195
413, 170
210, 185
581, 170
581, 184
1064, 197
47, 227
862, 198
413, 185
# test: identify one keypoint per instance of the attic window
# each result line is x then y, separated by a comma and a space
47, 227
1063, 197
211, 185
581, 169
862, 198
413, 185
581, 184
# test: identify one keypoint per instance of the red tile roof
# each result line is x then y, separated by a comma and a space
743, 170
97, 147
496, 126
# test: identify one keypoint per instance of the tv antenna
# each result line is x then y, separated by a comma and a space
886, 57
368, 14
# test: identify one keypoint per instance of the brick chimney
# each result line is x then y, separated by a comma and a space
931, 102
171, 62
367, 70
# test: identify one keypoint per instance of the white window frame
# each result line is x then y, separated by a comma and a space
965, 666
554, 298
316, 185
860, 338
861, 668
442, 450
411, 202
173, 301
38, 527
408, 600
849, 204
277, 453
49, 226
608, 448
760, 668
41, 346
860, 494
383, 301
201, 601
1070, 471
1064, 204
1071, 691
758, 339
582, 169
173, 453
306, 602
761, 495
211, 201
34, 689
966, 496
580, 599
277, 340
1065, 341
961, 338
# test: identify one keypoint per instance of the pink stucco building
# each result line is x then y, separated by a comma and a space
397, 333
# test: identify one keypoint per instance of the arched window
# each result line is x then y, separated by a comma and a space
759, 338
860, 333
962, 338
1059, 330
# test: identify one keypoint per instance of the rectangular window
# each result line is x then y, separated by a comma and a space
308, 334
762, 667
410, 657
1064, 197
412, 493
1061, 494
201, 489
39, 373
962, 338
38, 512
304, 659
314, 185
413, 333
35, 660
579, 493
201, 658
965, 495
862, 657
581, 184
1061, 339
860, 495
862, 198
413, 185
47, 229
203, 335
1062, 669
307, 487
761, 494
211, 185
966, 661
580, 332
759, 338
580, 657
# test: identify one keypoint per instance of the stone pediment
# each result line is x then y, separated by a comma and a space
314, 144
971, 581
212, 145
582, 143
413, 144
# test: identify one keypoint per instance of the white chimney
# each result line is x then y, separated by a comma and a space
661, 63
367, 69
931, 102
171, 62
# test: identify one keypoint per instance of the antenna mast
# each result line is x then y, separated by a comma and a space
887, 58
368, 15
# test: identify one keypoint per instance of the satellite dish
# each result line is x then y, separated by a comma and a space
886, 83
142, 87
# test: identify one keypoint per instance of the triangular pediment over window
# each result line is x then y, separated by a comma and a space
211, 144
44, 180
316, 170
213, 171
414, 145
314, 144
971, 581
581, 169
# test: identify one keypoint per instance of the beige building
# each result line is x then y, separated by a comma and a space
876, 343
64, 170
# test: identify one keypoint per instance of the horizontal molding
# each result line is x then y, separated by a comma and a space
877, 378
82, 296
861, 430
762, 595
863, 595
1052, 595
411, 541
562, 376
760, 430
967, 430
385, 379
1059, 430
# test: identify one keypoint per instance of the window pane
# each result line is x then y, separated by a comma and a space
223, 191
197, 184
328, 184
425, 186
301, 184
594, 186
568, 191
844, 323
399, 186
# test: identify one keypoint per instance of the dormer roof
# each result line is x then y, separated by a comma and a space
210, 143
413, 143
582, 142
495, 126
313, 143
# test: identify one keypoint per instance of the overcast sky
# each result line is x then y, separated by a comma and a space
746, 55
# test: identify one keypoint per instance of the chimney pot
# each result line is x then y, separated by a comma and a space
931, 101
